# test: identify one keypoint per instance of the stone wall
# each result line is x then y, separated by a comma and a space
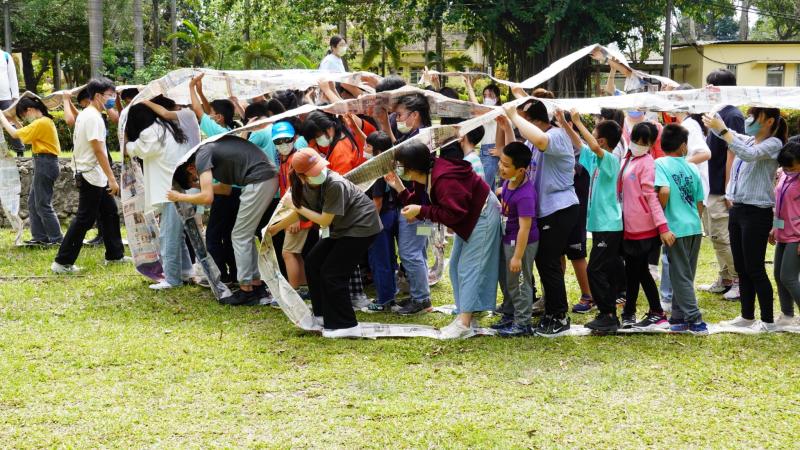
65, 194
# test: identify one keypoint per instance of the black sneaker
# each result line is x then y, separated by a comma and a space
604, 323
653, 321
504, 322
376, 307
414, 308
555, 327
97, 241
34, 242
543, 323
241, 298
261, 292
628, 321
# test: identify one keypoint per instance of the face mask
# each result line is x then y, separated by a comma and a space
638, 150
340, 51
323, 141
488, 101
403, 128
110, 103
751, 126
319, 179
401, 173
635, 114
284, 149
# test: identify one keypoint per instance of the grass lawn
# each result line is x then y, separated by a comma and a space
101, 361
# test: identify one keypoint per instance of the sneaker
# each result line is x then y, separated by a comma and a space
769, 327
538, 307
415, 307
263, 295
604, 323
34, 242
241, 298
554, 327
97, 241
698, 329
621, 299
739, 322
55, 243
786, 321
304, 293
652, 321
68, 269
679, 327
343, 333
584, 305
123, 260
376, 307
360, 302
514, 330
628, 321
717, 287
504, 322
733, 293
161, 285
456, 330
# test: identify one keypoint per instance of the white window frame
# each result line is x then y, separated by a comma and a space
782, 74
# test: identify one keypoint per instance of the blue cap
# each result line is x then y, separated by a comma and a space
282, 130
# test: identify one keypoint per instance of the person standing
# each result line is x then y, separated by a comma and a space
332, 62
9, 93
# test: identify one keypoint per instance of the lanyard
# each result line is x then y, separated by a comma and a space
787, 183
622, 176
736, 176
513, 192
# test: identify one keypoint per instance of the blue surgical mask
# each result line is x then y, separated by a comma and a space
319, 179
635, 114
751, 126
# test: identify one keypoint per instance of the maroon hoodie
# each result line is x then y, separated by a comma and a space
457, 195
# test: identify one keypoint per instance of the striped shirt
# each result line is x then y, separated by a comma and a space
477, 165
752, 180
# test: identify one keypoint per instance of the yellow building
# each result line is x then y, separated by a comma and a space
755, 63
454, 46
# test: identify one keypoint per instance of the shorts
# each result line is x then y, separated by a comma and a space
576, 244
294, 242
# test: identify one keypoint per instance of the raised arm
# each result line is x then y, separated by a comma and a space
470, 89
197, 106
70, 111
160, 111
528, 130
567, 126
587, 135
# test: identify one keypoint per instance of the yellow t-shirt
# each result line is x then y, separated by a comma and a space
42, 135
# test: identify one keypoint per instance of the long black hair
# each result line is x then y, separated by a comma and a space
26, 103
779, 128
415, 156
318, 122
140, 116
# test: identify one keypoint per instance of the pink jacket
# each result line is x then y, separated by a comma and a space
642, 215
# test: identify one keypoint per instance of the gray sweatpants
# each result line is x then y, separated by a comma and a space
517, 287
682, 267
253, 204
787, 270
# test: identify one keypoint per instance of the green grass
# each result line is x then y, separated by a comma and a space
100, 361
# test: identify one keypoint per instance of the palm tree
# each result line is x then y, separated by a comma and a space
258, 53
383, 45
201, 43
95, 8
138, 35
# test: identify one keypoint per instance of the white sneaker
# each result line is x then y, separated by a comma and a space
456, 330
733, 293
654, 272
768, 327
69, 269
161, 285
352, 332
123, 260
739, 321
717, 287
360, 302
786, 321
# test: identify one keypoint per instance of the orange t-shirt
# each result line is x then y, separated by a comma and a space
343, 157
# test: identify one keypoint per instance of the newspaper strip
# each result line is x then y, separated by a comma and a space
438, 241
210, 269
10, 188
140, 223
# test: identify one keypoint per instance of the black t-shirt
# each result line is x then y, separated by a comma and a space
236, 161
382, 190
734, 120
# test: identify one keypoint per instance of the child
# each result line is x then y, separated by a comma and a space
785, 234
520, 239
382, 256
604, 219
644, 221
680, 191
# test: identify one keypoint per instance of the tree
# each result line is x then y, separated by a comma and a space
201, 43
173, 21
782, 17
258, 54
382, 45
95, 8
138, 35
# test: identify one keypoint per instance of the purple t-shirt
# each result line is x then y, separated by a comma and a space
519, 202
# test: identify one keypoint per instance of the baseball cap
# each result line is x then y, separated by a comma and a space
282, 130
308, 162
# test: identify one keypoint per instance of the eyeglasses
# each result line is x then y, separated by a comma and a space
282, 141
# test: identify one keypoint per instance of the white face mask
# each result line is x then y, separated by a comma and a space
319, 179
340, 51
403, 128
323, 141
284, 149
488, 101
638, 150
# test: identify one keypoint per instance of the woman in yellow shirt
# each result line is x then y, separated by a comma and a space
40, 132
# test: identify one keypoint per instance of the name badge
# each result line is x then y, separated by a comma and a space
777, 223
325, 233
424, 230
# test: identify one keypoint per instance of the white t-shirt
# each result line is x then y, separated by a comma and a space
160, 153
89, 126
697, 144
187, 120
332, 63
489, 141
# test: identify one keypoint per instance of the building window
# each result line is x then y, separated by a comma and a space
732, 68
774, 74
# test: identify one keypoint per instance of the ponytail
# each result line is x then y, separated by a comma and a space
779, 128
26, 103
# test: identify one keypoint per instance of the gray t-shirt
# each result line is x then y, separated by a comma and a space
553, 171
356, 215
236, 161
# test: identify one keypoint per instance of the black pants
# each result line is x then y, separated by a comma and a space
749, 228
636, 255
554, 231
328, 269
93, 202
604, 265
218, 233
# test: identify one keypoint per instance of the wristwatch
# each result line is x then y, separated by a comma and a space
723, 132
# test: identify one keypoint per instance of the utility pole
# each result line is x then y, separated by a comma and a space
668, 42
7, 24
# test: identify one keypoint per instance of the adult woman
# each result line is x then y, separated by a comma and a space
327, 199
332, 62
462, 201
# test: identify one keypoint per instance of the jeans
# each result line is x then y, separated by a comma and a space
92, 201
218, 232
554, 231
15, 144
413, 255
329, 266
253, 202
383, 260
666, 281
45, 226
787, 270
749, 228
604, 264
489, 164
174, 252
637, 252
682, 267
519, 286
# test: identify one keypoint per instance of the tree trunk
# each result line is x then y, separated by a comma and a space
30, 76
439, 47
154, 20
744, 24
246, 31
96, 37
173, 19
138, 35
57, 71
7, 26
